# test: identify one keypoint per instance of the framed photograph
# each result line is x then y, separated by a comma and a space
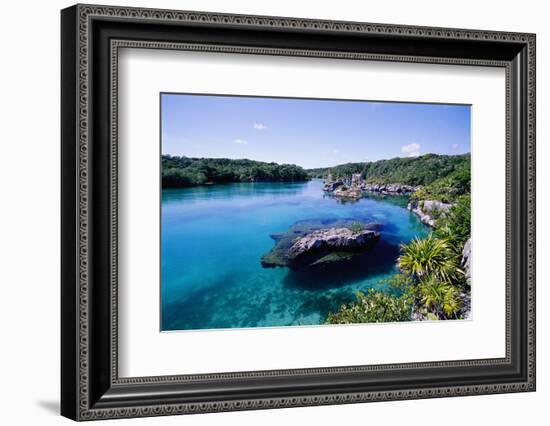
263, 212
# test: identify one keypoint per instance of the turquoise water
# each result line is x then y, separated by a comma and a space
213, 238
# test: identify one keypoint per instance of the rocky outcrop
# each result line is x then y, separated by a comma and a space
466, 260
429, 210
331, 239
354, 188
466, 294
355, 191
331, 186
344, 192
340, 190
390, 188
316, 243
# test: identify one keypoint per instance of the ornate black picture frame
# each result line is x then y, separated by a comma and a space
91, 387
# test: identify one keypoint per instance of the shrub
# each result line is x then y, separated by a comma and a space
375, 306
447, 188
455, 226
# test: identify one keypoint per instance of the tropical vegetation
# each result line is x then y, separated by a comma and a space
181, 172
431, 284
375, 306
430, 256
450, 187
431, 281
445, 172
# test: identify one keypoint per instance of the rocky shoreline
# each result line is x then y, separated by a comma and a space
429, 210
355, 188
390, 188
309, 245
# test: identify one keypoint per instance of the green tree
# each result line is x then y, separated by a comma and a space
423, 170
181, 172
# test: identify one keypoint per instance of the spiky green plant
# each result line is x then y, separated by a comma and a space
439, 297
422, 257
455, 225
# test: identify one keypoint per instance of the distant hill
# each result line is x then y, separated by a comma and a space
421, 170
181, 172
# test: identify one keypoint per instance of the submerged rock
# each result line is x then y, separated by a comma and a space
314, 243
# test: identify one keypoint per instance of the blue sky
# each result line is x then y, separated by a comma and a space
308, 132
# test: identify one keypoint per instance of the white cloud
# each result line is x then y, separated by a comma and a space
260, 126
411, 150
454, 146
336, 151
240, 141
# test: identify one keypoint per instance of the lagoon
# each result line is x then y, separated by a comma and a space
214, 236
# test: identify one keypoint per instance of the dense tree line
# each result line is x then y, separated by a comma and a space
422, 170
447, 188
181, 172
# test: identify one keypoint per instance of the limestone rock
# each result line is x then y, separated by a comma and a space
466, 260
429, 210
320, 242
331, 239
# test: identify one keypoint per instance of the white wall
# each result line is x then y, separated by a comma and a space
29, 225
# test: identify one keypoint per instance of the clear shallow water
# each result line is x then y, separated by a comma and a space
213, 238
